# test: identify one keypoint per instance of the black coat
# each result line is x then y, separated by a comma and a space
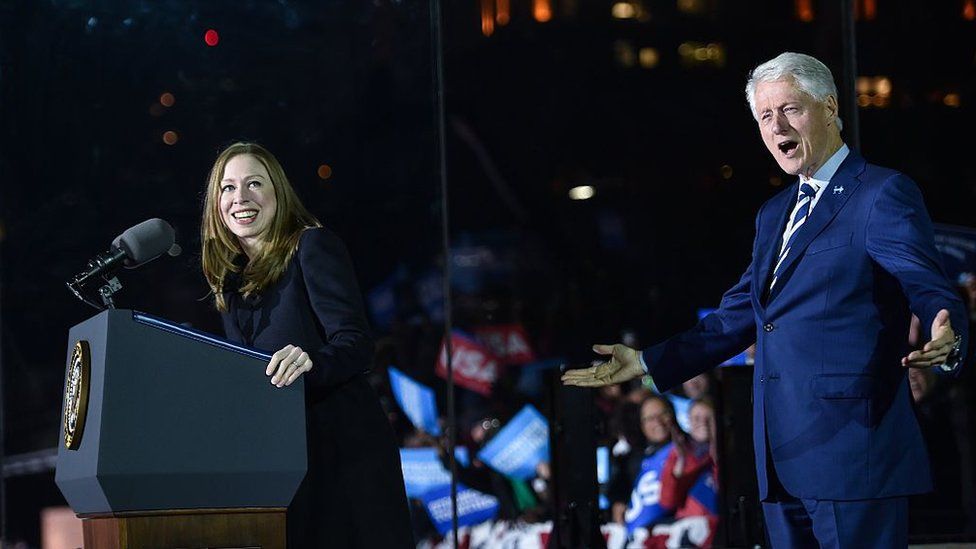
353, 494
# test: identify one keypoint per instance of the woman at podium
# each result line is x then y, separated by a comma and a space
284, 283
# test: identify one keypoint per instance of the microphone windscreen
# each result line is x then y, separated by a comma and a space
145, 241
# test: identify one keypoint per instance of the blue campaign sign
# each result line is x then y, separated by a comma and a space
462, 456
603, 473
740, 359
958, 248
645, 500
422, 471
681, 407
705, 491
473, 506
416, 400
519, 446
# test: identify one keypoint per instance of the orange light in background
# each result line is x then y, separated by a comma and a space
542, 10
324, 172
487, 17
649, 57
969, 10
870, 9
951, 100
726, 171
804, 10
775, 180
503, 12
167, 99
170, 137
863, 84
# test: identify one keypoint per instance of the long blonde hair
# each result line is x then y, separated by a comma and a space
221, 247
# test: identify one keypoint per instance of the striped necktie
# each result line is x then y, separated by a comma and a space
802, 210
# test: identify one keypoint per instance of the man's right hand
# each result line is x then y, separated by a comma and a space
624, 365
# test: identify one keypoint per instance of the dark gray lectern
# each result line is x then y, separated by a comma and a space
172, 437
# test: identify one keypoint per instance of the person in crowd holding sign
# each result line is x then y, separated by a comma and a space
841, 259
689, 479
284, 283
627, 494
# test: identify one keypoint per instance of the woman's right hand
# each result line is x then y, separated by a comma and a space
287, 365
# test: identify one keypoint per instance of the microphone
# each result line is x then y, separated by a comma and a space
137, 246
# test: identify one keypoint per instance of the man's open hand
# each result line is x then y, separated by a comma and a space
623, 365
936, 351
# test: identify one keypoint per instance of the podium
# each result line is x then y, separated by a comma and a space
172, 437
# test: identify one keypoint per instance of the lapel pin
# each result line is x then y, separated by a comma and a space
838, 189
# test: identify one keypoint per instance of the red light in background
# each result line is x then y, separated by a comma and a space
211, 37
167, 99
170, 137
324, 171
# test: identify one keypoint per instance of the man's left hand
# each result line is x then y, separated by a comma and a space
936, 351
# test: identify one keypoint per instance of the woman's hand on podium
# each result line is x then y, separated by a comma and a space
287, 364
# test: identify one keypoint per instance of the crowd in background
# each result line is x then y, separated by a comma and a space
662, 486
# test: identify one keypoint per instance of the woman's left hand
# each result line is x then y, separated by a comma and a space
287, 364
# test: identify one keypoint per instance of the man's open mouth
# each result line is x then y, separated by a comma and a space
787, 147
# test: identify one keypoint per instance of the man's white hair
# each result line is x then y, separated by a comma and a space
809, 75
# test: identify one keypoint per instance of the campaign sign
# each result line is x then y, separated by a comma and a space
705, 492
958, 248
416, 400
645, 500
519, 446
682, 406
475, 367
740, 359
508, 342
422, 471
473, 507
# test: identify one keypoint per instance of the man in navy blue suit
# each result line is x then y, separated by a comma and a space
841, 260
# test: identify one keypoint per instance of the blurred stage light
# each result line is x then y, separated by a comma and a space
542, 10
487, 17
969, 10
582, 192
211, 37
623, 10
726, 171
951, 100
324, 171
649, 57
882, 85
503, 12
804, 10
170, 137
167, 99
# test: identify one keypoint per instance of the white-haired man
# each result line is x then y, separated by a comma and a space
841, 260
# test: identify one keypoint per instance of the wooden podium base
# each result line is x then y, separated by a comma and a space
250, 528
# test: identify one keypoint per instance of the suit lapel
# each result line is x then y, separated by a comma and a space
770, 240
841, 186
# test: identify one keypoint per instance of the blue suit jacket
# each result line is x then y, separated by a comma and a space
830, 397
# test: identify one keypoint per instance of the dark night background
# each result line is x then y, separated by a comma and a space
552, 100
